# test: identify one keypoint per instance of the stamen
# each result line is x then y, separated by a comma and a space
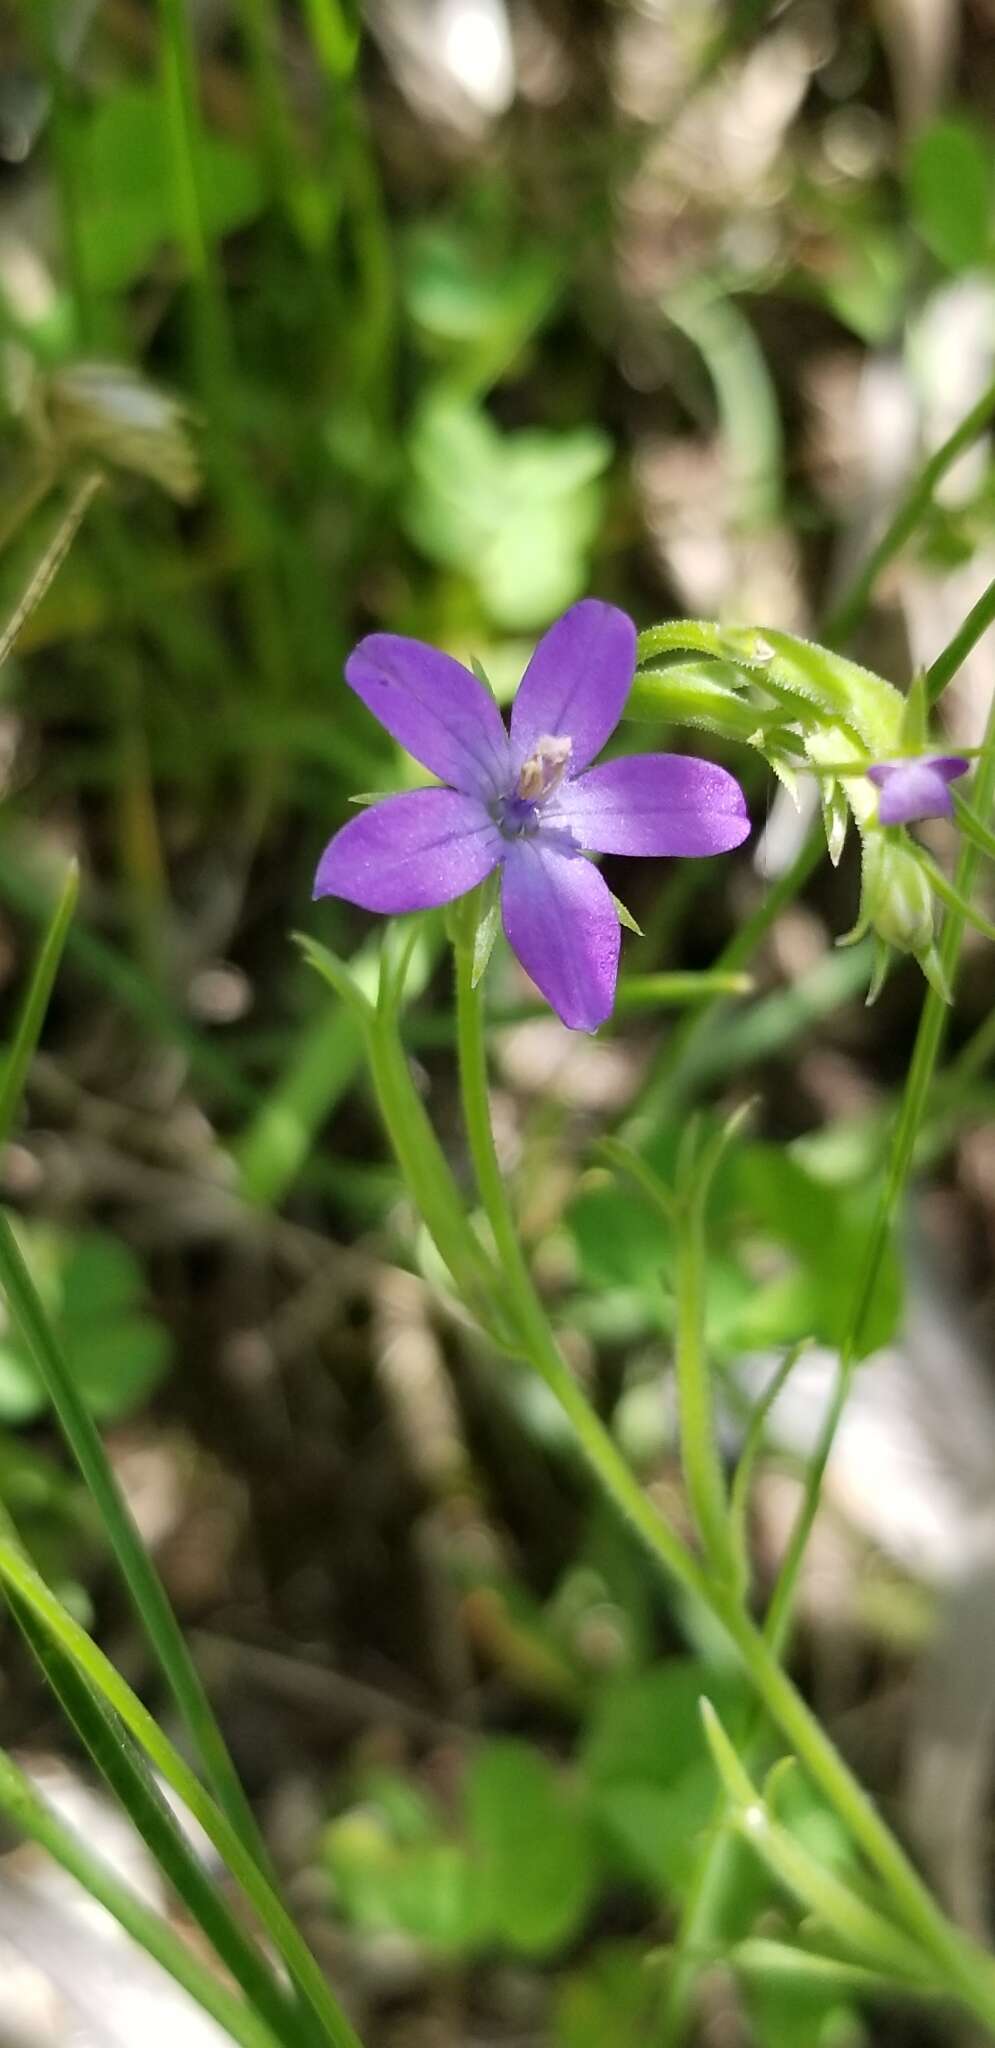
545, 767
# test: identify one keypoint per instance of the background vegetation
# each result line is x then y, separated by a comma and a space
466, 310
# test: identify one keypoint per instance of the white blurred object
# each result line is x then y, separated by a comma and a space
921, 38
70, 1976
453, 59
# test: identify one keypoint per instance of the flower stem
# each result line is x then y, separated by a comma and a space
967, 1971
957, 649
703, 1905
849, 609
523, 1305
699, 1451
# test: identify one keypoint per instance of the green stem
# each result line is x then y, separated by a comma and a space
27, 1030
970, 1972
968, 1969
121, 1765
845, 615
919, 1082
667, 1072
51, 561
423, 1165
699, 1450
142, 1579
19, 1576
45, 21
523, 1303
703, 1904
957, 649
27, 500
33, 1817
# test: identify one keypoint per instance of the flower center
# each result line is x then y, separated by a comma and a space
539, 776
545, 768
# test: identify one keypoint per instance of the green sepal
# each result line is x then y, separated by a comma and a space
915, 716
835, 819
625, 916
786, 773
482, 676
883, 956
488, 926
933, 969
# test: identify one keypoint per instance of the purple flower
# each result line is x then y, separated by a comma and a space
916, 789
520, 800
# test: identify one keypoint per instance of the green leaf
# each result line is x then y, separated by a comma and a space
515, 513
126, 172
464, 293
92, 1287
651, 1779
426, 1889
949, 182
619, 1239
793, 2014
531, 1846
609, 2003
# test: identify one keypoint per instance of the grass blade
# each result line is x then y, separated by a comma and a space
142, 1579
124, 1769
33, 1817
19, 1576
29, 1025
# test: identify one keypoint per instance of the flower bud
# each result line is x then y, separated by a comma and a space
896, 898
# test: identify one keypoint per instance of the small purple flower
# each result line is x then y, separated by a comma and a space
519, 800
915, 789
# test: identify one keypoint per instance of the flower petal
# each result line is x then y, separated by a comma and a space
576, 683
562, 923
410, 852
653, 804
434, 708
911, 790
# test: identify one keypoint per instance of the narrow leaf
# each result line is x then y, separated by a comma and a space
34, 1818
35, 1005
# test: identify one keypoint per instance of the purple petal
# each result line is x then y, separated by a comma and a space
410, 852
911, 790
653, 804
434, 708
576, 683
563, 925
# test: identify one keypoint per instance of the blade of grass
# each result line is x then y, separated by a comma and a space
51, 561
144, 1584
28, 1028
124, 1770
31, 1815
17, 1574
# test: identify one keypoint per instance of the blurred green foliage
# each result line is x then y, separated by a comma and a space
442, 381
93, 1290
